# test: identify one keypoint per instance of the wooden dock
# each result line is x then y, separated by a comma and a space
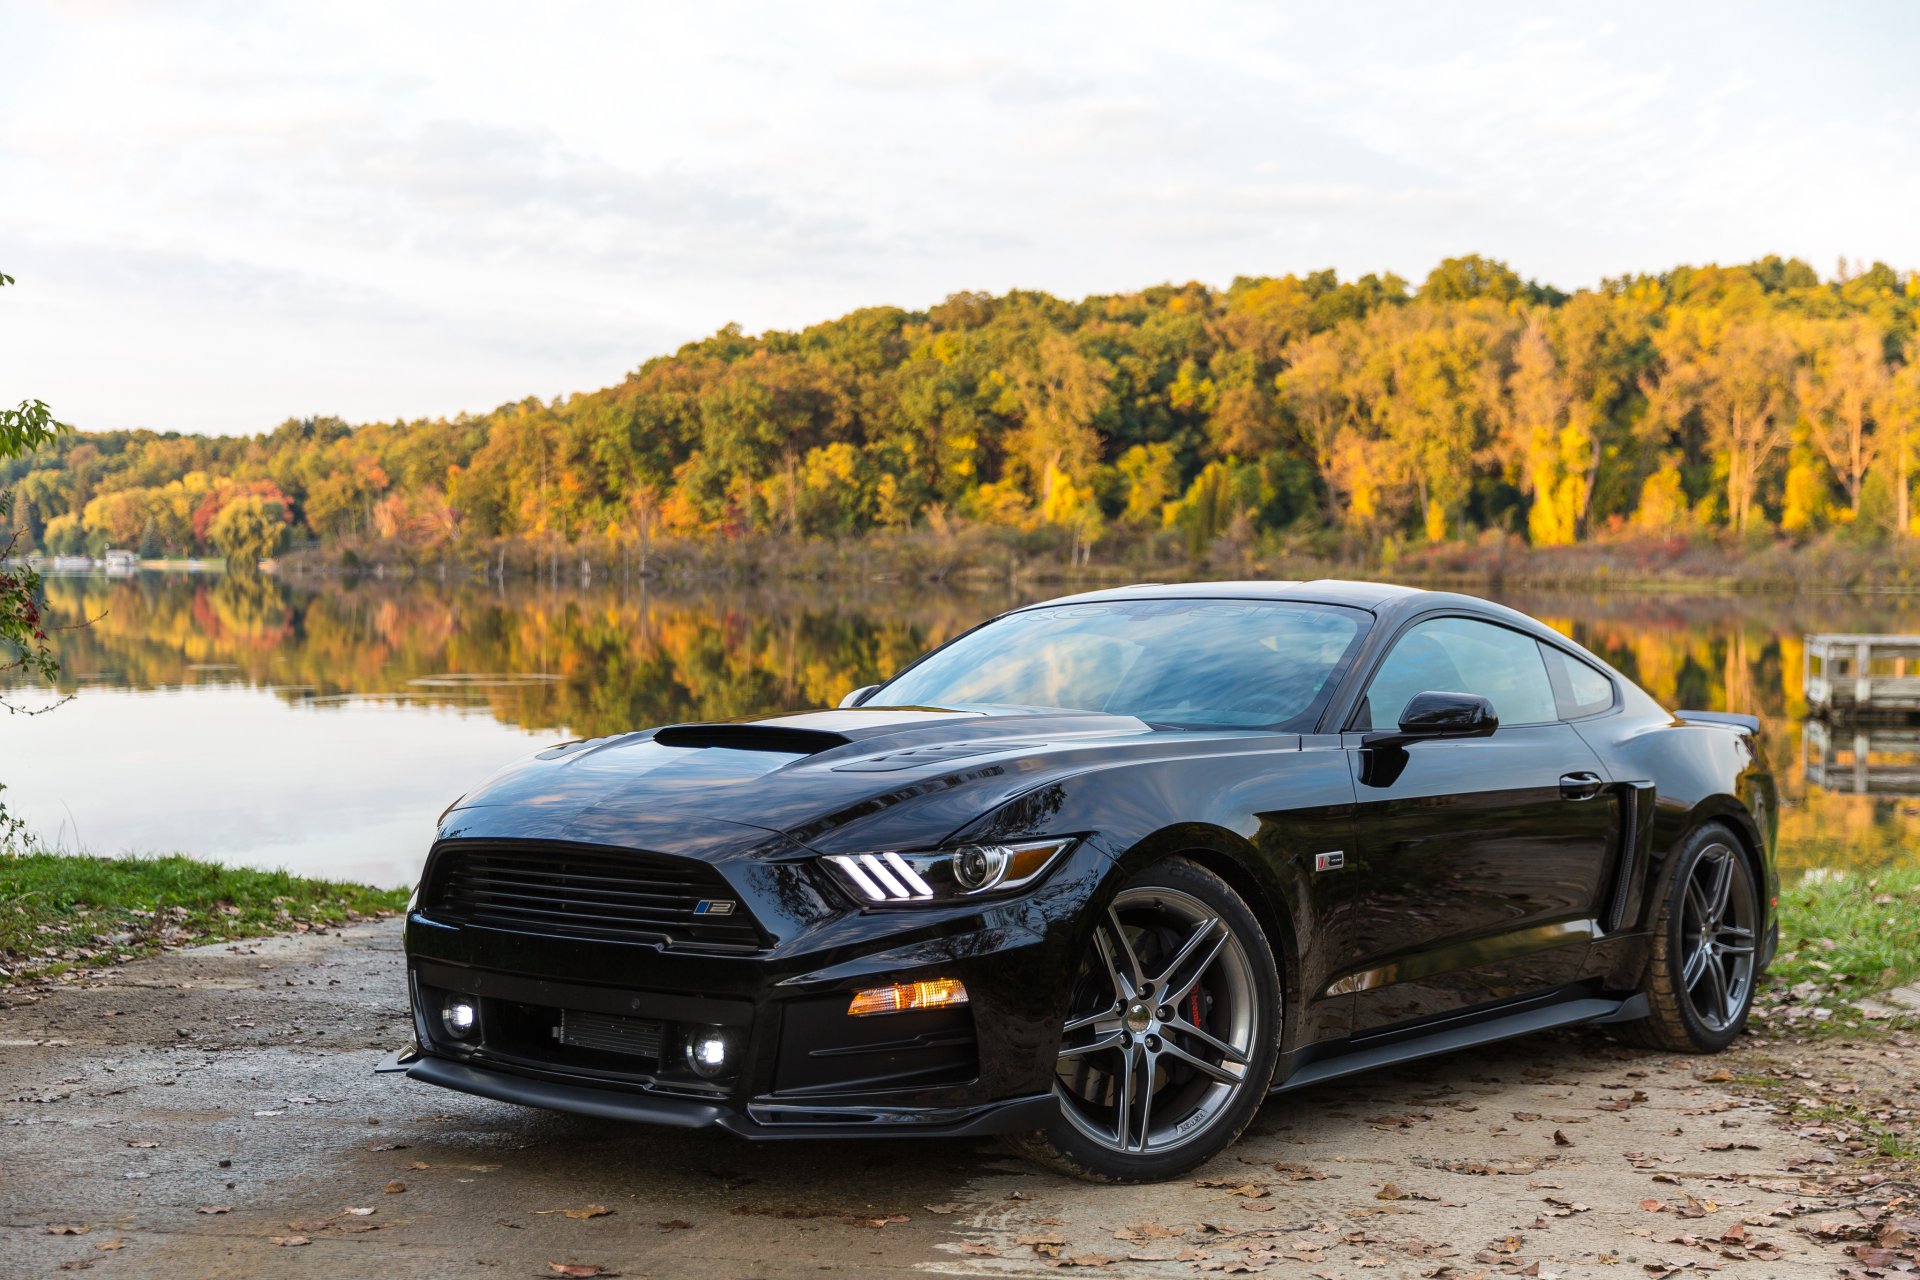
1862, 678
1861, 760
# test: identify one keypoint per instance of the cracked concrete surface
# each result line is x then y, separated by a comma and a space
239, 1079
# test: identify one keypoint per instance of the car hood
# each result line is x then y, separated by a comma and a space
872, 777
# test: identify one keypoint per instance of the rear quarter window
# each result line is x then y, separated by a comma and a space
1579, 689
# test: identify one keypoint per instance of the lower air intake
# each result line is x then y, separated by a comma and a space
636, 1037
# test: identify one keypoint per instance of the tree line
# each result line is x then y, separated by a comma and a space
1752, 401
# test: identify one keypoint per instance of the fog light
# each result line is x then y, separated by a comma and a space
707, 1052
904, 997
458, 1016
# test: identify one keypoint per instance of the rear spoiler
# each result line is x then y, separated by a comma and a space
1729, 718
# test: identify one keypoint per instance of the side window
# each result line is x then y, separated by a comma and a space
1460, 655
1581, 690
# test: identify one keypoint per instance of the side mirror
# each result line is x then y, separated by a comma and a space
859, 695
1438, 715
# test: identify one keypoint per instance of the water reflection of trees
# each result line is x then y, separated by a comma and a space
623, 659
615, 660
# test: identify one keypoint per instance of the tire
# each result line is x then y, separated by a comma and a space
1704, 965
1206, 1056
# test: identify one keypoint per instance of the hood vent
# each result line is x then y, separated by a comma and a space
752, 737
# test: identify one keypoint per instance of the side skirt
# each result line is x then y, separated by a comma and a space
1464, 1035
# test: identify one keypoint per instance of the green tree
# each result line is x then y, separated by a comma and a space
23, 634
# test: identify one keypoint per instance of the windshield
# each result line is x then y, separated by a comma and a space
1238, 664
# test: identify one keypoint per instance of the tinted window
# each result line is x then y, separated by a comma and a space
1205, 663
1582, 691
1459, 655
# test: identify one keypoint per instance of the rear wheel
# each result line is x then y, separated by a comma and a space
1705, 962
1171, 1034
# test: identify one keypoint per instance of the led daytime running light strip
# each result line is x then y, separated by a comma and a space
884, 877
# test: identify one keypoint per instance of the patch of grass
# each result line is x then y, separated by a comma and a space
62, 911
1844, 937
1854, 928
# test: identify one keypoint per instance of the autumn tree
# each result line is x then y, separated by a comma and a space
1737, 375
1551, 441
1898, 411
1060, 395
1844, 376
1315, 387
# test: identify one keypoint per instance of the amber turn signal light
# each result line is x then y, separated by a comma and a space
904, 997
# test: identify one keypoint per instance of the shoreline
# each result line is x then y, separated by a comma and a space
987, 559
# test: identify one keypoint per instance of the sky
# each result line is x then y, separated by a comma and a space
224, 215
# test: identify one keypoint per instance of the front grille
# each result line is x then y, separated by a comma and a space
588, 893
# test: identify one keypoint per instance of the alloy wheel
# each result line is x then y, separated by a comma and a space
1159, 1039
1717, 936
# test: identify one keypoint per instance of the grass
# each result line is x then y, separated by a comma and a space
63, 911
1844, 938
1859, 929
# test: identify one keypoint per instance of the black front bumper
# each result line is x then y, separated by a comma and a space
800, 1064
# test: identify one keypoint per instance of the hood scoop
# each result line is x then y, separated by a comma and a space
785, 739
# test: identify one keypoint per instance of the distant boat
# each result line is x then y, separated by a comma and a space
72, 564
121, 564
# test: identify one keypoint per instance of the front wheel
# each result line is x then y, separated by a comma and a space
1706, 937
1171, 1035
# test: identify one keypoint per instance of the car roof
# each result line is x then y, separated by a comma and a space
1388, 601
1362, 595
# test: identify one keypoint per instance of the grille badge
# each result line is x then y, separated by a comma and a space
713, 907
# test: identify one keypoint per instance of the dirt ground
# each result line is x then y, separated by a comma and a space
214, 1113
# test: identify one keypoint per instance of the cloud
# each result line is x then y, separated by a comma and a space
385, 210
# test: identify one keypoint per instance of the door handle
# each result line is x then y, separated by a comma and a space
1580, 786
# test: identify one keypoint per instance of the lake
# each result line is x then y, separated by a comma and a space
322, 728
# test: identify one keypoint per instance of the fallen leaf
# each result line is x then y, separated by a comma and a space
361, 1213
1045, 1246
63, 1229
1234, 1186
214, 1208
578, 1215
884, 1220
109, 1245
395, 1187
289, 1242
579, 1270
974, 1248
1141, 1232
1560, 1138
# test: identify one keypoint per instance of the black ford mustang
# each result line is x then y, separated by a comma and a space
1099, 875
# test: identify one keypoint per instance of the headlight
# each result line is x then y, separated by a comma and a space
947, 875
